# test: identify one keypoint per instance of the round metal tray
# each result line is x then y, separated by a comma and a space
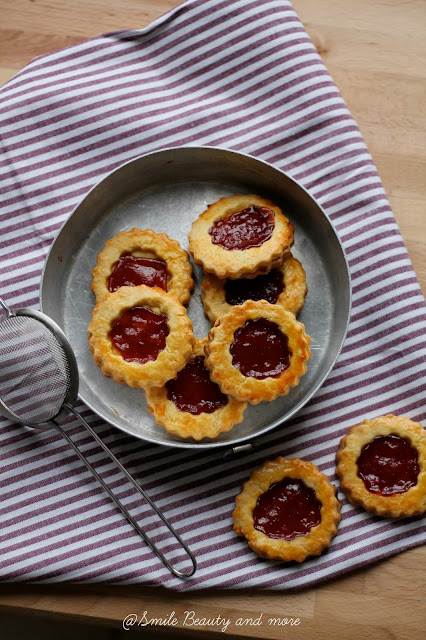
166, 191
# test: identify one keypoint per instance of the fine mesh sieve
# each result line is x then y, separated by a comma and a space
39, 385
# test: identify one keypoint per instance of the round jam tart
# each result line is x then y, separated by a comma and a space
257, 351
287, 510
284, 285
136, 257
381, 464
240, 236
140, 336
192, 405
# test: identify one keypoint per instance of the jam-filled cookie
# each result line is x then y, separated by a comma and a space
284, 285
258, 351
140, 336
242, 235
381, 464
139, 257
288, 510
192, 405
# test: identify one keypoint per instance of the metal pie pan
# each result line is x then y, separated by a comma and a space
166, 191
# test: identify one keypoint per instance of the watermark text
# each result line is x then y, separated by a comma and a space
192, 619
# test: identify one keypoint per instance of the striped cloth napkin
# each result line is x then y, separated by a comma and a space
239, 74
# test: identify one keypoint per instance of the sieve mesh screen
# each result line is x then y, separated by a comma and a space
35, 380
34, 372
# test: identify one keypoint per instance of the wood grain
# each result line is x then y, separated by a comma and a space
375, 52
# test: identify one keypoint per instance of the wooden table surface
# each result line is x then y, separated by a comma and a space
375, 51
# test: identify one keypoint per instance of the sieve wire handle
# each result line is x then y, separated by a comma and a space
150, 543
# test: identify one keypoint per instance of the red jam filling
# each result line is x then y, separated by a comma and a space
287, 509
244, 229
140, 334
131, 271
260, 349
265, 287
388, 465
193, 390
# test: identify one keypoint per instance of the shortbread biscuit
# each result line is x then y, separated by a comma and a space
284, 285
191, 405
381, 464
140, 336
240, 236
287, 510
143, 257
258, 351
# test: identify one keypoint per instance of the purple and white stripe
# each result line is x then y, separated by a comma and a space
240, 74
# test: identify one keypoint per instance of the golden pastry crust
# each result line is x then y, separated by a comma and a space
237, 263
397, 505
168, 362
230, 379
187, 425
292, 298
300, 547
145, 244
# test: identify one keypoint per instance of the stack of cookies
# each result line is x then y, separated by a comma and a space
140, 334
253, 287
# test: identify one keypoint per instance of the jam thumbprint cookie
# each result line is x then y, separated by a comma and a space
242, 235
140, 336
192, 405
258, 351
288, 510
381, 464
284, 285
139, 257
